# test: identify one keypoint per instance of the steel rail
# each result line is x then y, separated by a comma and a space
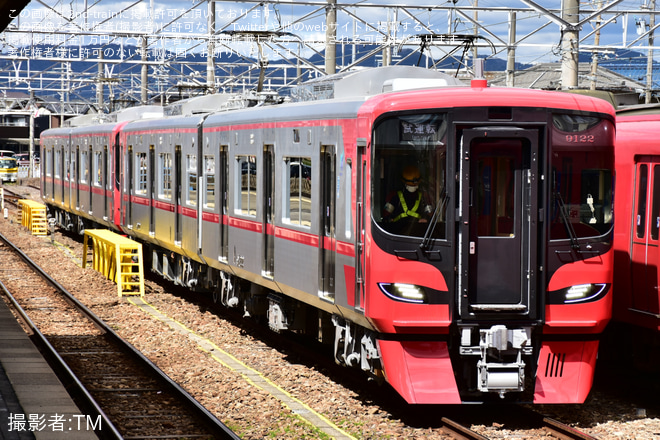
218, 429
458, 431
563, 431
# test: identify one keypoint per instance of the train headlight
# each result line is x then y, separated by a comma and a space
583, 292
404, 292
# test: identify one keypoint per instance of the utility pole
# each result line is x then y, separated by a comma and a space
32, 108
511, 51
210, 57
144, 86
649, 57
331, 37
99, 84
569, 44
594, 54
475, 49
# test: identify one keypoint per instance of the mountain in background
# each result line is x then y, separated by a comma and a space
187, 69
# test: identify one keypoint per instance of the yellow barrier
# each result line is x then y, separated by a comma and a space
33, 216
115, 257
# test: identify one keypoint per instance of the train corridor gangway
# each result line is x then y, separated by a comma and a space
116, 257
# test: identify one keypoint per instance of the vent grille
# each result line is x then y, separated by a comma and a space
554, 366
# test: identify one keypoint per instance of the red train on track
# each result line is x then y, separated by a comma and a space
636, 312
455, 241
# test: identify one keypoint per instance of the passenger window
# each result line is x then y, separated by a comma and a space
84, 172
209, 179
246, 185
191, 172
58, 160
165, 176
297, 190
49, 162
98, 168
67, 165
141, 173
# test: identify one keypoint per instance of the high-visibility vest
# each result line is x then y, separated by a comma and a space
406, 212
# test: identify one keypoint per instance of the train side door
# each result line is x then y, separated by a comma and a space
129, 186
645, 229
223, 191
61, 170
75, 178
89, 178
327, 241
497, 253
106, 184
66, 177
360, 255
268, 264
177, 193
116, 190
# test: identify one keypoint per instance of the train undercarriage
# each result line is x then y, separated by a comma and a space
353, 346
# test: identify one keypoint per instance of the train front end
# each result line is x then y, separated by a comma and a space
486, 258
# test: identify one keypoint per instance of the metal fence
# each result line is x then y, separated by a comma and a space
24, 171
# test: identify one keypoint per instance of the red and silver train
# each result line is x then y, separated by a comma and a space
497, 291
636, 239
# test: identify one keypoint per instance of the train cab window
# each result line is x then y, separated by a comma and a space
141, 173
582, 163
246, 186
297, 191
191, 178
409, 172
209, 182
165, 176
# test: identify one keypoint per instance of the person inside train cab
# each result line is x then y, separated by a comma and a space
408, 206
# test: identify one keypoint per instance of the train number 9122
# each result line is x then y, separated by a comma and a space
580, 138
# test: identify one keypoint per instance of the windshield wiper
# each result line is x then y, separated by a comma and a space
439, 208
567, 222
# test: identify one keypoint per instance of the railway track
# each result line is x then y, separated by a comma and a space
563, 431
553, 428
531, 429
108, 377
10, 196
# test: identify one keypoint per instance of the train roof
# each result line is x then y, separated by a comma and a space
478, 96
636, 135
639, 112
297, 111
221, 102
371, 82
128, 114
377, 90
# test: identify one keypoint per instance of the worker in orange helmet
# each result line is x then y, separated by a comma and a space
408, 206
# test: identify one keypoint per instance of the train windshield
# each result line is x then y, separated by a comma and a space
582, 163
409, 165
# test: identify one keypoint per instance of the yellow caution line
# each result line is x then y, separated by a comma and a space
252, 376
64, 248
